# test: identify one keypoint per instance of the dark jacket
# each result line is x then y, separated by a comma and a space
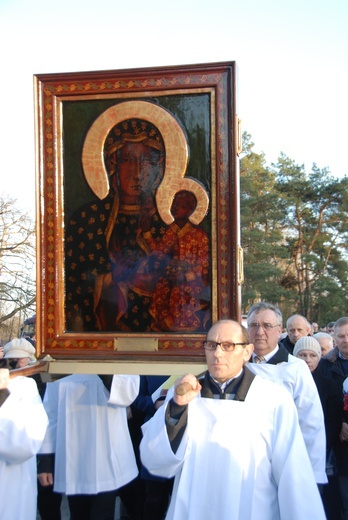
144, 403
143, 408
331, 401
332, 367
281, 356
287, 344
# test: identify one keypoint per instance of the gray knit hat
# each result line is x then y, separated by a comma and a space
307, 343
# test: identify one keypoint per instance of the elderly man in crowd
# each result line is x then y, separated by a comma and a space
232, 441
296, 326
273, 361
315, 327
325, 341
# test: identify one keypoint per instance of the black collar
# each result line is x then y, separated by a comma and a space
241, 385
281, 356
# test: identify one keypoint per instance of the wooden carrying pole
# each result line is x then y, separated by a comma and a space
39, 367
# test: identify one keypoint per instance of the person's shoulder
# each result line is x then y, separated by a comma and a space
299, 366
330, 357
296, 371
23, 386
284, 338
295, 361
273, 388
260, 380
22, 381
291, 364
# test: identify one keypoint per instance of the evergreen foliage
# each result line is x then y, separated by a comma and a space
294, 235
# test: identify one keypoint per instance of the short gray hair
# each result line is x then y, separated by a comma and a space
340, 322
323, 335
261, 306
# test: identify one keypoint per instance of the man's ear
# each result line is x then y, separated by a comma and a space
248, 350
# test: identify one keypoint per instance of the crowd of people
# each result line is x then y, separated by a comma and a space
262, 435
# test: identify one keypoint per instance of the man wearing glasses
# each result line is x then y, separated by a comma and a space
272, 361
232, 441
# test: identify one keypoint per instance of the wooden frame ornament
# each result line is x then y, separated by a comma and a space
137, 175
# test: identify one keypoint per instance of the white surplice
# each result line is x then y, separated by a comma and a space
23, 424
89, 434
298, 380
237, 460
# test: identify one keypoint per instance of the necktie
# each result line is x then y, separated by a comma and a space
258, 359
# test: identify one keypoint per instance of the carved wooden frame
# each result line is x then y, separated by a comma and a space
176, 87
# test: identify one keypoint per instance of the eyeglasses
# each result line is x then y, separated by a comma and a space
226, 346
265, 326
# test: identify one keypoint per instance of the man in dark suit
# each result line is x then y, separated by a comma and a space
296, 326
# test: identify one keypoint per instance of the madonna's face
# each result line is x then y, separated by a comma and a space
138, 166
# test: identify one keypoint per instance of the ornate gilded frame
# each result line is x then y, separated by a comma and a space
72, 112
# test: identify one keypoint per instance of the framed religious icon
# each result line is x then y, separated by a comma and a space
138, 211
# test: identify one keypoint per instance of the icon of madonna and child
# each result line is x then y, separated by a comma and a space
136, 258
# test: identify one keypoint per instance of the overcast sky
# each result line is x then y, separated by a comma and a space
292, 57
